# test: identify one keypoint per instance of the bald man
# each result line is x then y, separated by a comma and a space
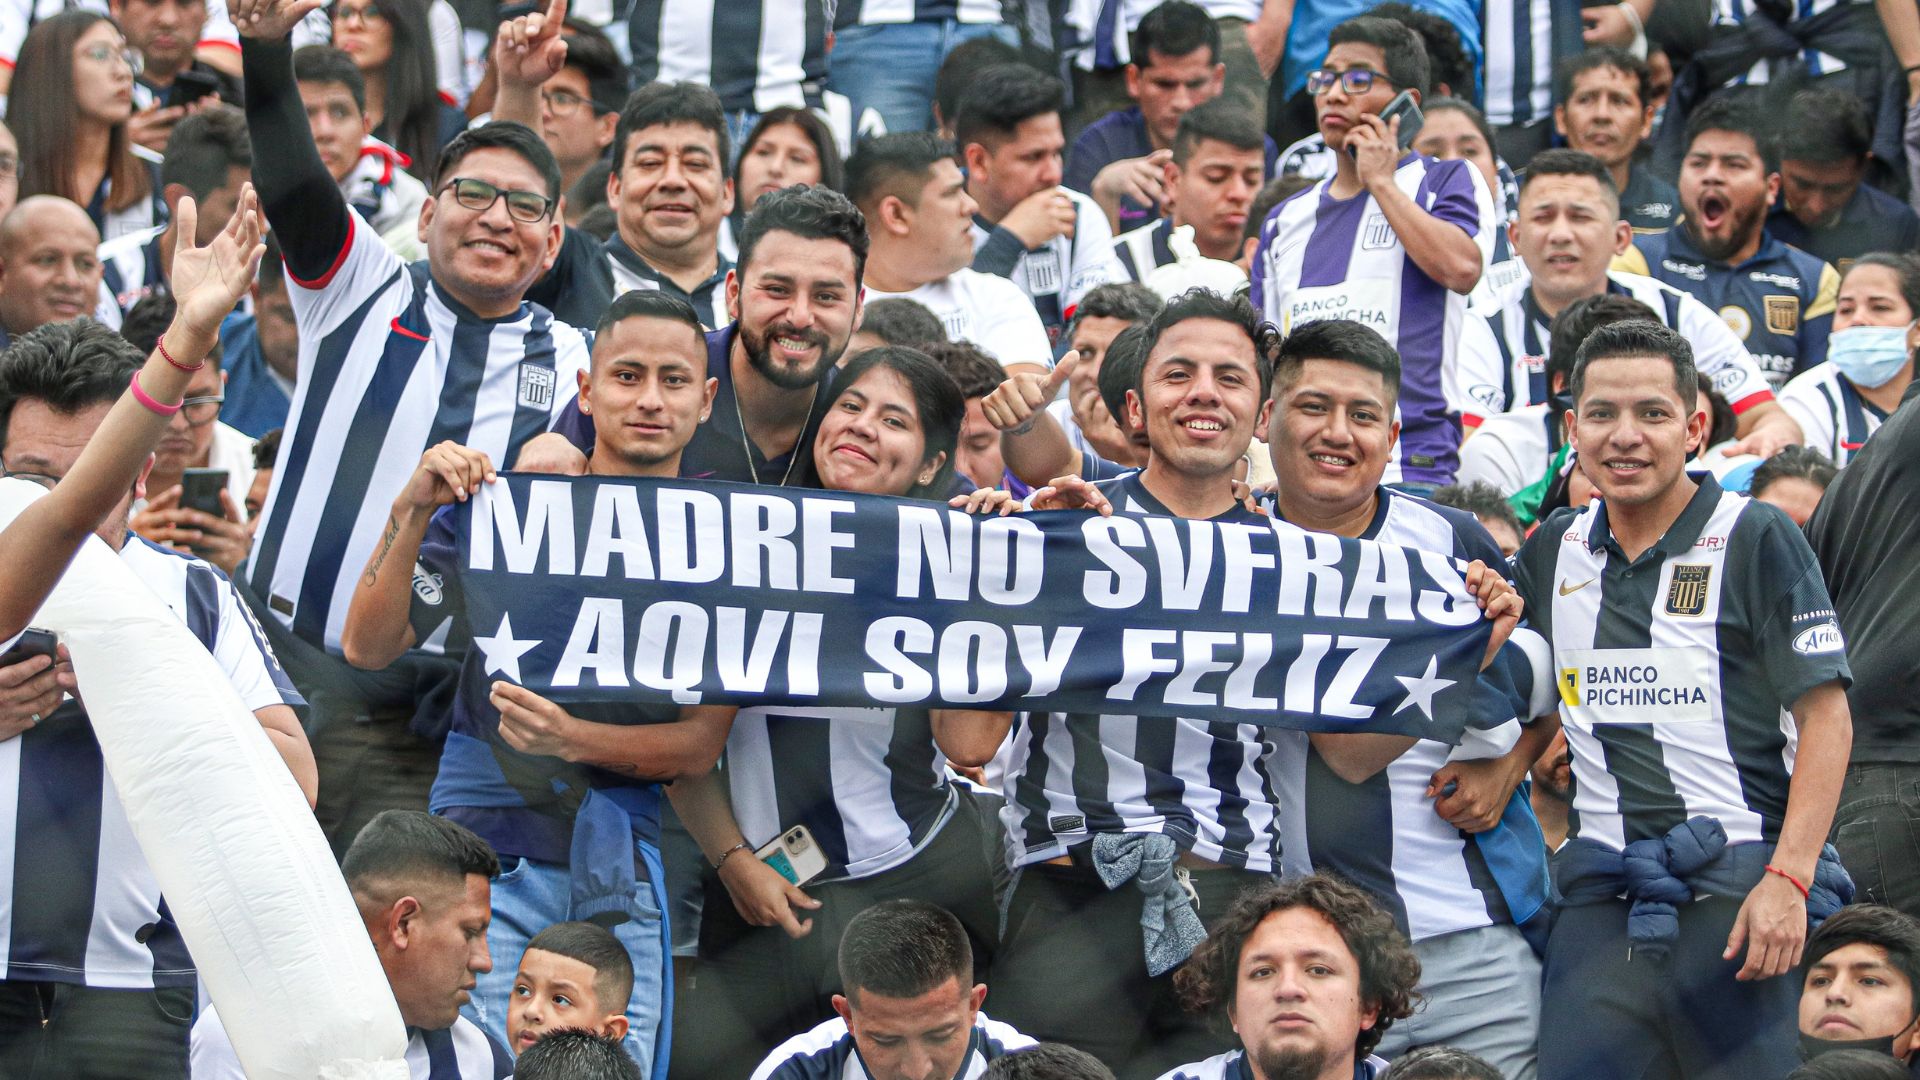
49, 269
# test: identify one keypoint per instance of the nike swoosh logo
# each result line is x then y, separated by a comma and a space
1564, 591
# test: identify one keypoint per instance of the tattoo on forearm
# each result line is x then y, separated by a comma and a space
386, 546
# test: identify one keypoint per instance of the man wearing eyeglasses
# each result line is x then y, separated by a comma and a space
393, 359
580, 104
1393, 240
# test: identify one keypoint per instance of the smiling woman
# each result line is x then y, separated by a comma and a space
893, 428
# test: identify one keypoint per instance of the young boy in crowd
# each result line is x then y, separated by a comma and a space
574, 975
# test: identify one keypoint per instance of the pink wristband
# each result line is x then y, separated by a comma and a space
146, 399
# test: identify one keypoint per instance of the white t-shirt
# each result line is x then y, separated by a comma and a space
989, 311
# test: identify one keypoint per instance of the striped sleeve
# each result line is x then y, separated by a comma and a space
240, 646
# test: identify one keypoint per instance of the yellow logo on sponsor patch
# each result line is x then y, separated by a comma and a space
1570, 685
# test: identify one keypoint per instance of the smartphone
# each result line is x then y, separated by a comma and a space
1411, 118
200, 490
190, 86
794, 855
33, 642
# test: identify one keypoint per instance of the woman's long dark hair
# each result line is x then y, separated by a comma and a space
936, 397
832, 170
43, 112
412, 106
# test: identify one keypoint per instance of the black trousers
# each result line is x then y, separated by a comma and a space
1072, 969
755, 987
55, 1031
1877, 830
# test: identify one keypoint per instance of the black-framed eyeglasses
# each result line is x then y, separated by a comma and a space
366, 13
479, 196
201, 411
1353, 80
566, 103
42, 479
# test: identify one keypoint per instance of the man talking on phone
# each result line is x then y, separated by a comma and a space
1393, 240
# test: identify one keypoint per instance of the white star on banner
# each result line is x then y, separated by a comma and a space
503, 650
1420, 690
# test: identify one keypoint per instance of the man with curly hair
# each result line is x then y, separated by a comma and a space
1310, 973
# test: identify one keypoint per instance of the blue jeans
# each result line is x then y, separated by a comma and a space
889, 67
531, 896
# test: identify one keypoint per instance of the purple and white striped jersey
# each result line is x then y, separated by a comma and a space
1325, 258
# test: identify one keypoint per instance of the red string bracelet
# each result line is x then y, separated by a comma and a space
147, 400
161, 344
1804, 895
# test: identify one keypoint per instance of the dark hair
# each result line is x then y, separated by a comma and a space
660, 103
413, 104
1467, 109
590, 190
1277, 190
1389, 970
595, 946
811, 212
897, 320
1826, 126
1595, 58
266, 449
599, 222
1563, 161
1871, 924
1003, 97
149, 318
1337, 339
957, 71
1199, 303
204, 147
1442, 1062
1739, 118
832, 169
976, 373
502, 135
1577, 322
1127, 300
1120, 370
1047, 1061
1406, 55
273, 267
941, 407
409, 846
896, 165
1722, 424
573, 1054
1906, 272
903, 948
1172, 29
1220, 120
44, 109
326, 64
589, 50
651, 304
1851, 1065
70, 365
1482, 500
1636, 338
1447, 59
1796, 463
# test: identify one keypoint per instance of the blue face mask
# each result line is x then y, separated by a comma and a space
1868, 356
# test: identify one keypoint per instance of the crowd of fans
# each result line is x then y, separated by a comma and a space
1614, 305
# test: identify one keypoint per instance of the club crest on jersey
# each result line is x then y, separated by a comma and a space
536, 386
1687, 592
1379, 234
1043, 272
1783, 314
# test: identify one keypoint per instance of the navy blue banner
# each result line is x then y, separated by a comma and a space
599, 589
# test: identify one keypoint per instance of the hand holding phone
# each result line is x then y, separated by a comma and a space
1412, 119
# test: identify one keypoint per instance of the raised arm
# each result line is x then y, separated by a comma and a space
301, 199
526, 53
207, 281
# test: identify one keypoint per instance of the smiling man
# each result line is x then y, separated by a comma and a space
49, 267
1778, 299
1310, 973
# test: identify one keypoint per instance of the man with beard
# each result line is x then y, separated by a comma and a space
1778, 299
1310, 973
792, 303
